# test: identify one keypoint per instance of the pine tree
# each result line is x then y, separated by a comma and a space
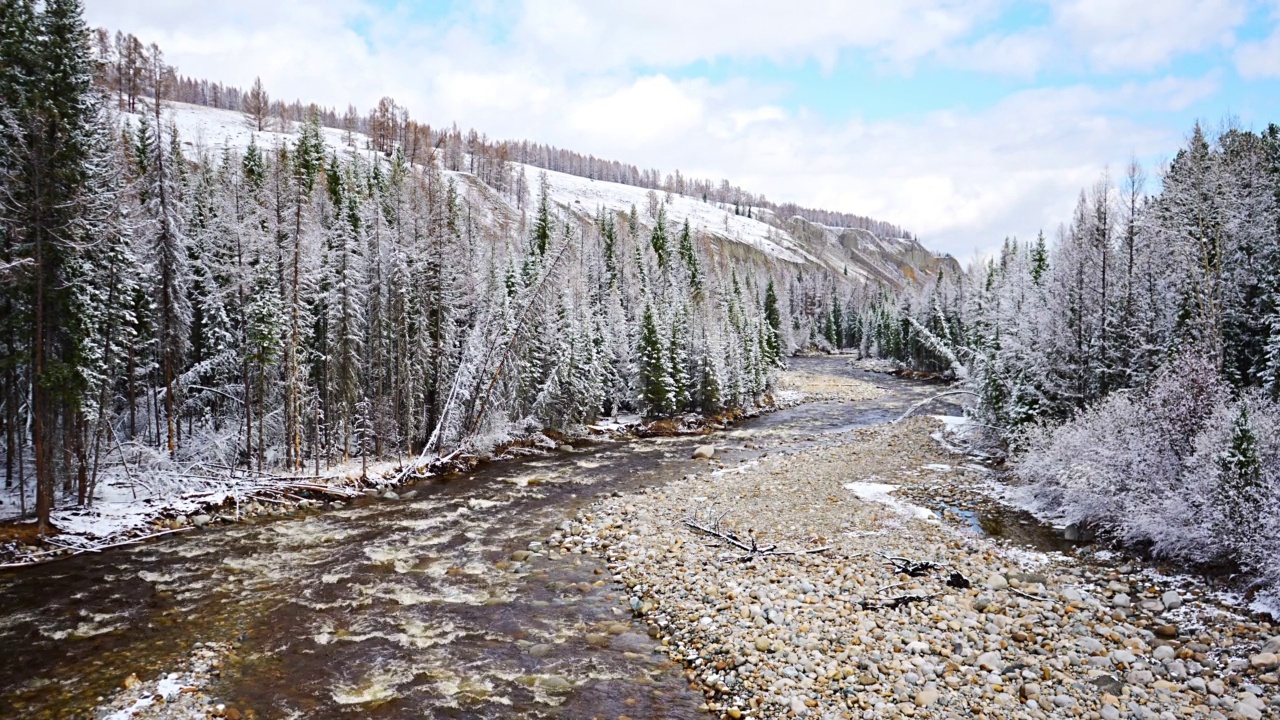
773, 336
658, 238
655, 380
542, 223
1240, 494
690, 257
49, 138
1039, 259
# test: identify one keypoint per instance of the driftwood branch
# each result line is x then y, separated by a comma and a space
926, 401
910, 568
894, 602
750, 547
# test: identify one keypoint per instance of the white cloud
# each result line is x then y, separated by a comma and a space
672, 33
1261, 58
650, 109
1119, 35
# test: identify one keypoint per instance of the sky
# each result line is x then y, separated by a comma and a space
964, 122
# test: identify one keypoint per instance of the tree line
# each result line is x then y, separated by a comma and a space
167, 310
123, 61
1133, 364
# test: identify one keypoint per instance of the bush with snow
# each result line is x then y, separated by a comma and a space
1185, 469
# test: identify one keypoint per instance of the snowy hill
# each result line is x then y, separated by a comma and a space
846, 252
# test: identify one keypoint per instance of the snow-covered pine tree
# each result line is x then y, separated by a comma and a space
655, 377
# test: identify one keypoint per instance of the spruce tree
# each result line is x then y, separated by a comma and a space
541, 237
658, 238
1240, 495
655, 380
773, 335
49, 136
690, 257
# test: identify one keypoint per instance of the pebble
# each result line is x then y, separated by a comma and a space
812, 635
1263, 661
925, 698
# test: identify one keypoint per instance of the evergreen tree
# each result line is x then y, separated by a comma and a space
1240, 495
542, 223
656, 397
773, 337
658, 238
690, 257
49, 131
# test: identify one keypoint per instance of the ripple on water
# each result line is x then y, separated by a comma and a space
377, 687
95, 624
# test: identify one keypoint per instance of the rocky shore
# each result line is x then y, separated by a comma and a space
179, 695
903, 612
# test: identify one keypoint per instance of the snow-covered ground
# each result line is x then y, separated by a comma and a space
882, 493
213, 129
134, 505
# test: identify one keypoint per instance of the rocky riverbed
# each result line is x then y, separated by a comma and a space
889, 609
178, 695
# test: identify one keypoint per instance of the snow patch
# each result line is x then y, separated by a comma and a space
879, 493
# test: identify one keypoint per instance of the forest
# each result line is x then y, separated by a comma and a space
1132, 365
175, 311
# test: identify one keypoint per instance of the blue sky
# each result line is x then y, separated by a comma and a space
964, 121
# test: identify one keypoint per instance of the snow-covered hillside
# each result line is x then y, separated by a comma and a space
847, 252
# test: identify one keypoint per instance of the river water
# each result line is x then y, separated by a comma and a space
393, 609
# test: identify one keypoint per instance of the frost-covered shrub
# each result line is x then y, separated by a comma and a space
1183, 469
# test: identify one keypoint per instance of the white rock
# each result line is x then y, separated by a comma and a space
798, 707
1121, 601
1123, 656
925, 698
1171, 600
997, 582
1090, 645
989, 661
1247, 712
705, 452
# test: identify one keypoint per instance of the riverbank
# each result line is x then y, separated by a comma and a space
132, 507
845, 632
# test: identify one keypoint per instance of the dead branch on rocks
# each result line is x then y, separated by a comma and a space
926, 401
894, 603
910, 568
1027, 595
750, 547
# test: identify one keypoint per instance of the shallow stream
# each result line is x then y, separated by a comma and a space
396, 609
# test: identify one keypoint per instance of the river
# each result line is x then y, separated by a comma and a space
393, 609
